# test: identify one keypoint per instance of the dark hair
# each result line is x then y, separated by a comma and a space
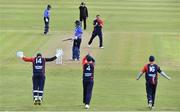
78, 23
82, 3
97, 15
38, 54
151, 58
48, 6
89, 58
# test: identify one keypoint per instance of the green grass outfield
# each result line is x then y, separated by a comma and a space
133, 30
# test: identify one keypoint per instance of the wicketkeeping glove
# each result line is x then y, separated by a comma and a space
59, 52
20, 54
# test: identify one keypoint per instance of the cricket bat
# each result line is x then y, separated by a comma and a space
67, 39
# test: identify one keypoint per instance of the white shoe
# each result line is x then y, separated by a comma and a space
150, 106
153, 107
101, 47
89, 46
39, 101
35, 101
87, 106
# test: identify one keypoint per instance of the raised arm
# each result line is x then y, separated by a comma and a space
93, 60
51, 59
84, 61
26, 59
20, 54
59, 52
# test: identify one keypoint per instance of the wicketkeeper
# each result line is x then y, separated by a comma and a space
151, 71
88, 79
77, 40
38, 77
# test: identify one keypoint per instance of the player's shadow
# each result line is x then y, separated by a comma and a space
78, 107
90, 48
143, 109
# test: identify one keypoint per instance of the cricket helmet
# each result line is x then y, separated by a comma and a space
151, 58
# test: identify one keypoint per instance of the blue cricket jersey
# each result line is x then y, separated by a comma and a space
46, 13
78, 32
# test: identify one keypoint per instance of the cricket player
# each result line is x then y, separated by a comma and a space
83, 13
151, 71
38, 77
98, 25
88, 79
77, 40
47, 19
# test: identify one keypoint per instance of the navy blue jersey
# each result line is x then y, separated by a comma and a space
88, 72
98, 24
39, 65
151, 71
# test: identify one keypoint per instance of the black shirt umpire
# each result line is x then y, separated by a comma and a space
83, 13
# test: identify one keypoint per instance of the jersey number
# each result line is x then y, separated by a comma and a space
152, 69
88, 68
38, 60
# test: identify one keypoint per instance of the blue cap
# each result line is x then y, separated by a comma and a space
151, 58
